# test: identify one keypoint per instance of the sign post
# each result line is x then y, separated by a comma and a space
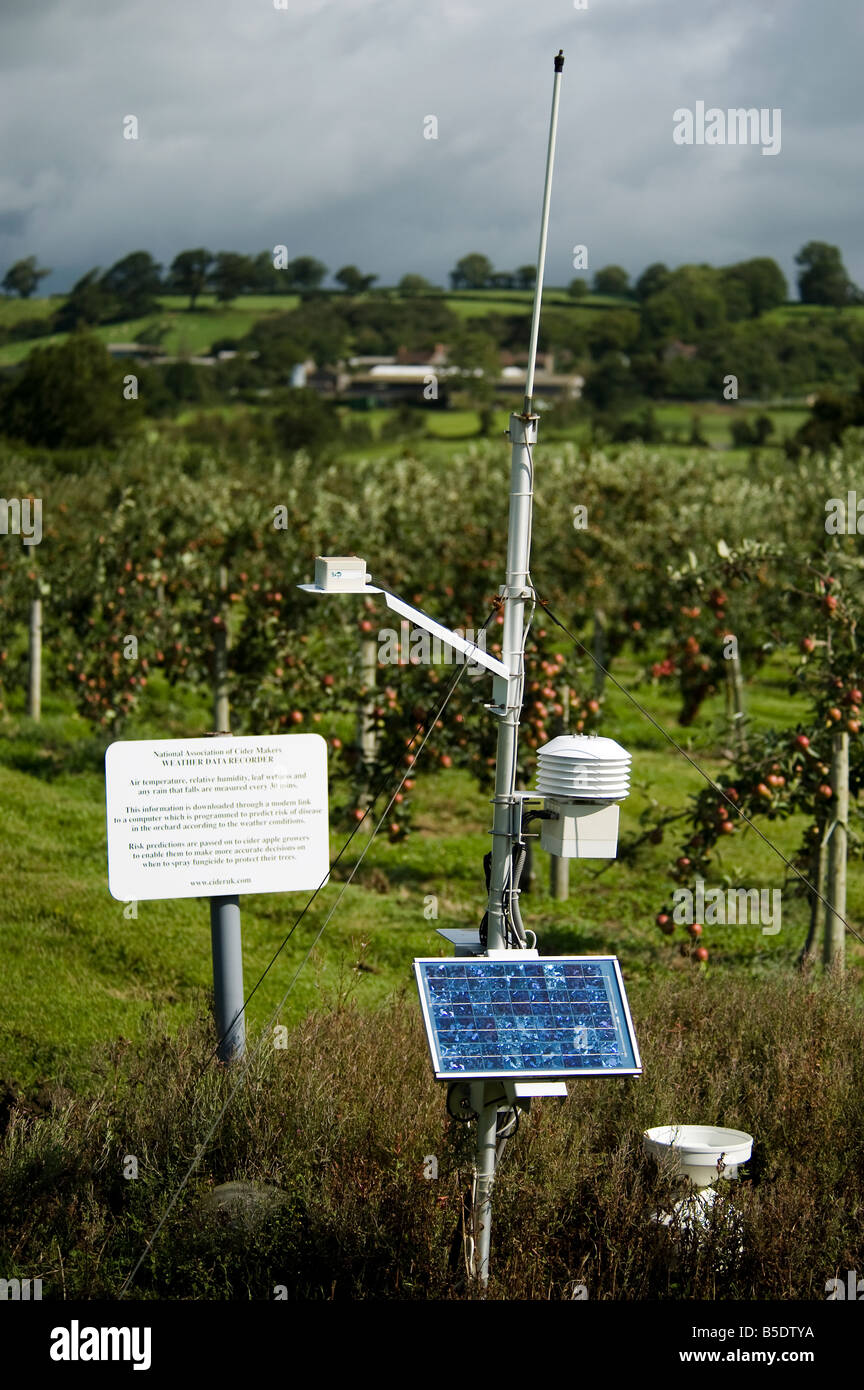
198, 817
228, 995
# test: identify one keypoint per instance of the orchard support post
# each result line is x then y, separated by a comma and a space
735, 707
834, 951
366, 734
34, 677
559, 868
221, 706
599, 651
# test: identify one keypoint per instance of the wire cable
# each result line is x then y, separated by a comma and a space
298, 919
702, 773
243, 1066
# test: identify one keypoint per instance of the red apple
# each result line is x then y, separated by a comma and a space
701, 953
695, 929
802, 740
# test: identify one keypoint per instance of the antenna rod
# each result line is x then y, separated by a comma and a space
544, 231
503, 931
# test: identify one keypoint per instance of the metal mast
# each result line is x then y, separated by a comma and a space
502, 931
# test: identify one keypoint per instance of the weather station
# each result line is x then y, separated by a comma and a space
504, 1024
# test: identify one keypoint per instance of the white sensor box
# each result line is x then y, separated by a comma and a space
340, 573
583, 829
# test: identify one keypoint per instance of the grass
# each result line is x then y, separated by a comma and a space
715, 418
333, 1131
455, 424
105, 1034
80, 972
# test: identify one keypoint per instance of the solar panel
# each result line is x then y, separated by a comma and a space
527, 1016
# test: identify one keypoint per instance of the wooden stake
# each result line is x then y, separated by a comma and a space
735, 706
834, 949
34, 681
600, 652
366, 733
559, 868
221, 705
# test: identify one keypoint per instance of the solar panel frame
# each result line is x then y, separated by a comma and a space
464, 1041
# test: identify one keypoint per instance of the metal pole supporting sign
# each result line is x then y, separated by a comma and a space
227, 949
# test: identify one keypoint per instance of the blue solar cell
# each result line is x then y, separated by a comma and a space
554, 1015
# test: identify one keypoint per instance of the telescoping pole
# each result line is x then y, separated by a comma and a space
506, 829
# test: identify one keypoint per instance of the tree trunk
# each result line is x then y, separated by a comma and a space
818, 865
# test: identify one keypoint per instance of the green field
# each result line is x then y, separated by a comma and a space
186, 334
79, 972
106, 1037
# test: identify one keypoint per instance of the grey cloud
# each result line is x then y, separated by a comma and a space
304, 126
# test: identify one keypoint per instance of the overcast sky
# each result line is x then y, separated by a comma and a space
304, 126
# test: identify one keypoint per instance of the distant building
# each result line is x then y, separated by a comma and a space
146, 350
679, 349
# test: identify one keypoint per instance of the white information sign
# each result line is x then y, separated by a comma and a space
201, 817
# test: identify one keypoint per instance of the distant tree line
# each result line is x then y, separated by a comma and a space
675, 334
686, 301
